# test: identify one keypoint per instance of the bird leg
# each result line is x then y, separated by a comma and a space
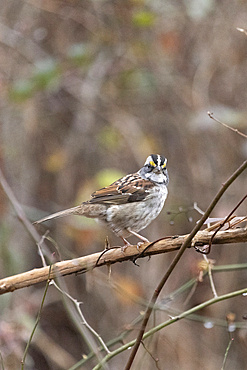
145, 240
126, 244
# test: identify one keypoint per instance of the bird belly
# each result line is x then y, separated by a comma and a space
137, 215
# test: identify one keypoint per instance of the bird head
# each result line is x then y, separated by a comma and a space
155, 169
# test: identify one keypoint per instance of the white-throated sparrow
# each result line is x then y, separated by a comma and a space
130, 203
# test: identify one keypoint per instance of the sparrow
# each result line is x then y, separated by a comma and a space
129, 204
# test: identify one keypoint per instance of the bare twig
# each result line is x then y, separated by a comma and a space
171, 321
20, 213
232, 222
75, 312
156, 360
164, 306
226, 353
36, 322
210, 114
219, 226
184, 246
1, 361
82, 318
226, 220
209, 266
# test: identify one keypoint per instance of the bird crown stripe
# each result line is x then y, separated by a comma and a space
155, 159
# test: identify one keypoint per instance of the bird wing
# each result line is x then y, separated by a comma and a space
131, 188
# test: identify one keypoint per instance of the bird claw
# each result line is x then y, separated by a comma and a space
138, 245
126, 245
123, 247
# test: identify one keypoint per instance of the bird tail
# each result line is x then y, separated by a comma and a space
70, 211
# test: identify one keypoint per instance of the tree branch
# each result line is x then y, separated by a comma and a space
114, 255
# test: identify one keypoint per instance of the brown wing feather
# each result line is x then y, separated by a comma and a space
131, 188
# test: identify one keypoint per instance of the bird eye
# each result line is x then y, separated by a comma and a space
149, 167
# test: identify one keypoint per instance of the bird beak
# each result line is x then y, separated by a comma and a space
158, 169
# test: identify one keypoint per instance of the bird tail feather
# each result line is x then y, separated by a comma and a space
70, 211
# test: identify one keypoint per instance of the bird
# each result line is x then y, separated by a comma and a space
129, 204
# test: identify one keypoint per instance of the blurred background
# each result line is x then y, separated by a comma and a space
88, 89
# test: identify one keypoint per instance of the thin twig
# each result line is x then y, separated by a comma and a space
156, 360
78, 317
209, 265
20, 213
210, 114
226, 353
1, 361
176, 260
36, 322
169, 322
226, 220
218, 227
39, 245
83, 320
164, 306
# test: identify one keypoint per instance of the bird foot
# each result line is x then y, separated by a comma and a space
126, 245
139, 244
123, 247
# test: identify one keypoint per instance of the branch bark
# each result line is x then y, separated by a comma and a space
114, 255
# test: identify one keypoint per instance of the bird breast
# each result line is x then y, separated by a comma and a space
137, 215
